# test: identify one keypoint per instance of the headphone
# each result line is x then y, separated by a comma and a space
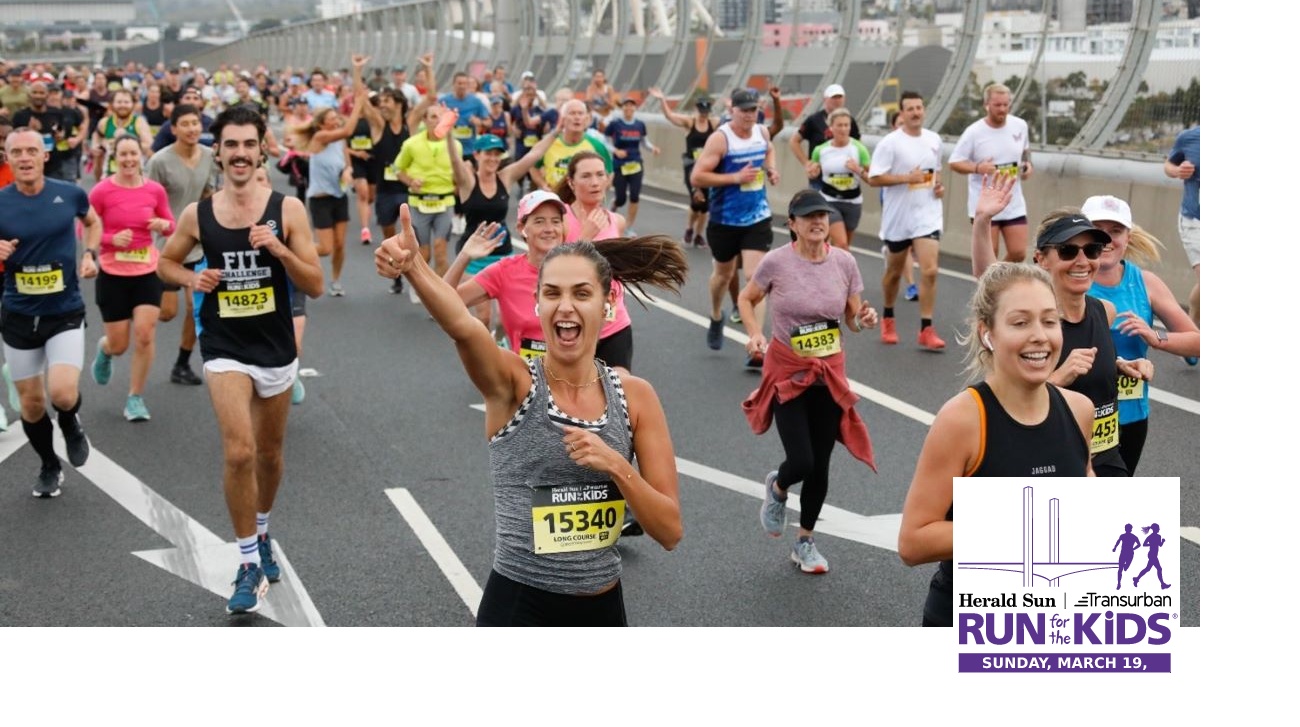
987, 343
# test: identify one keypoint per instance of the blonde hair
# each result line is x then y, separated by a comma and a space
1143, 247
994, 88
984, 308
837, 113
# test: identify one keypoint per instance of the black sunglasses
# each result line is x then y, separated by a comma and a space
1092, 250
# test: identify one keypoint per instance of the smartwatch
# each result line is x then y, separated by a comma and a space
1162, 336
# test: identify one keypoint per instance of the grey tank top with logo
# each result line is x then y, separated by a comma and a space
529, 455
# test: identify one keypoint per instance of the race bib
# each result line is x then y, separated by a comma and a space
695, 153
843, 182
62, 145
531, 140
39, 279
390, 173
572, 518
246, 303
138, 256
361, 143
1131, 388
630, 168
925, 183
48, 140
531, 348
462, 132
1105, 428
111, 166
1011, 169
432, 204
756, 185
816, 340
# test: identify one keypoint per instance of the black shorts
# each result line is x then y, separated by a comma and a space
169, 288
726, 241
897, 246
509, 603
388, 207
699, 197
627, 188
616, 350
1021, 220
27, 333
327, 211
368, 170
118, 295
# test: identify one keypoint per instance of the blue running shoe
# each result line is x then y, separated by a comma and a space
14, 402
135, 410
269, 566
715, 335
772, 513
299, 393
250, 586
805, 555
912, 292
102, 368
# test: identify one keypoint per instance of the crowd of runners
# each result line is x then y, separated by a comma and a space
156, 183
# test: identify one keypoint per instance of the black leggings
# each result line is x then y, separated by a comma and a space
808, 425
627, 187
510, 603
1132, 439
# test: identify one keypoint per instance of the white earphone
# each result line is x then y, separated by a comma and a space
609, 312
537, 310
987, 343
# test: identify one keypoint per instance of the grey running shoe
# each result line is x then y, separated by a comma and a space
336, 289
772, 513
78, 446
806, 556
714, 337
47, 484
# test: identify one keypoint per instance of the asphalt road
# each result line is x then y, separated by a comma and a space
391, 412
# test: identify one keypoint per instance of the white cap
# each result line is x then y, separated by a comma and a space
185, 64
833, 90
1106, 207
528, 74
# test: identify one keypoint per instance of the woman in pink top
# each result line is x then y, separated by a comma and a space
128, 290
583, 191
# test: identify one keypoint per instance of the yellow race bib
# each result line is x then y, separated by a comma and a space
531, 140
462, 132
843, 182
39, 279
1131, 388
390, 173
695, 153
925, 183
138, 256
531, 348
432, 204
573, 518
1010, 169
361, 143
246, 303
816, 340
756, 185
630, 168
1105, 428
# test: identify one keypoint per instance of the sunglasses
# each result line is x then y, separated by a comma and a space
1092, 250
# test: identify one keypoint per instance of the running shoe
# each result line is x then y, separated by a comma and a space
14, 402
888, 334
135, 410
299, 393
735, 315
912, 293
700, 240
930, 340
336, 289
689, 238
396, 287
102, 368
250, 585
269, 566
772, 513
47, 483
183, 374
631, 526
78, 446
365, 240
414, 296
1192, 360
806, 556
754, 362
714, 336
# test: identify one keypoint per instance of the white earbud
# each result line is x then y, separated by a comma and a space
987, 343
537, 310
609, 312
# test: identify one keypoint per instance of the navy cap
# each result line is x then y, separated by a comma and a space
806, 202
1068, 227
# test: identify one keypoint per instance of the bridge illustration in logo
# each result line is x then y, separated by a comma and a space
1051, 570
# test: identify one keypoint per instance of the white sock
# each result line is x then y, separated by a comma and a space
248, 550
263, 518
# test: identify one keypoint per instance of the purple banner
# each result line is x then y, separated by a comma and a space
1065, 663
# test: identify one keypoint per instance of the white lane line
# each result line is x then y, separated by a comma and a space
1191, 533
1190, 406
455, 571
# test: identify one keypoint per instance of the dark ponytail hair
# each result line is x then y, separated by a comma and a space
564, 190
655, 260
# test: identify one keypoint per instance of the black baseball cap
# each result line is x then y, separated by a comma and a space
1067, 227
806, 202
704, 103
744, 99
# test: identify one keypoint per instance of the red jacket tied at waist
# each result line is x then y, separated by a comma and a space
786, 375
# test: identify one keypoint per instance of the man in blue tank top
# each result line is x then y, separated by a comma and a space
735, 164
256, 243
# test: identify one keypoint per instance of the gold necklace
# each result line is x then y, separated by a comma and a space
551, 373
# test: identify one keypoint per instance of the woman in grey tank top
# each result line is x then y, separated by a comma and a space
563, 432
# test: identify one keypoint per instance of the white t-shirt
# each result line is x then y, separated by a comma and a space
1006, 147
909, 211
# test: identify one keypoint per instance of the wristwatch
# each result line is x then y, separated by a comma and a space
1162, 336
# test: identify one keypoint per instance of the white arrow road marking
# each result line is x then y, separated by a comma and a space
1191, 533
455, 571
200, 556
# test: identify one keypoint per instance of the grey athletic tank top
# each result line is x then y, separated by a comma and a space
545, 501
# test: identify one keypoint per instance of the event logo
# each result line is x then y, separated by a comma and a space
1065, 574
